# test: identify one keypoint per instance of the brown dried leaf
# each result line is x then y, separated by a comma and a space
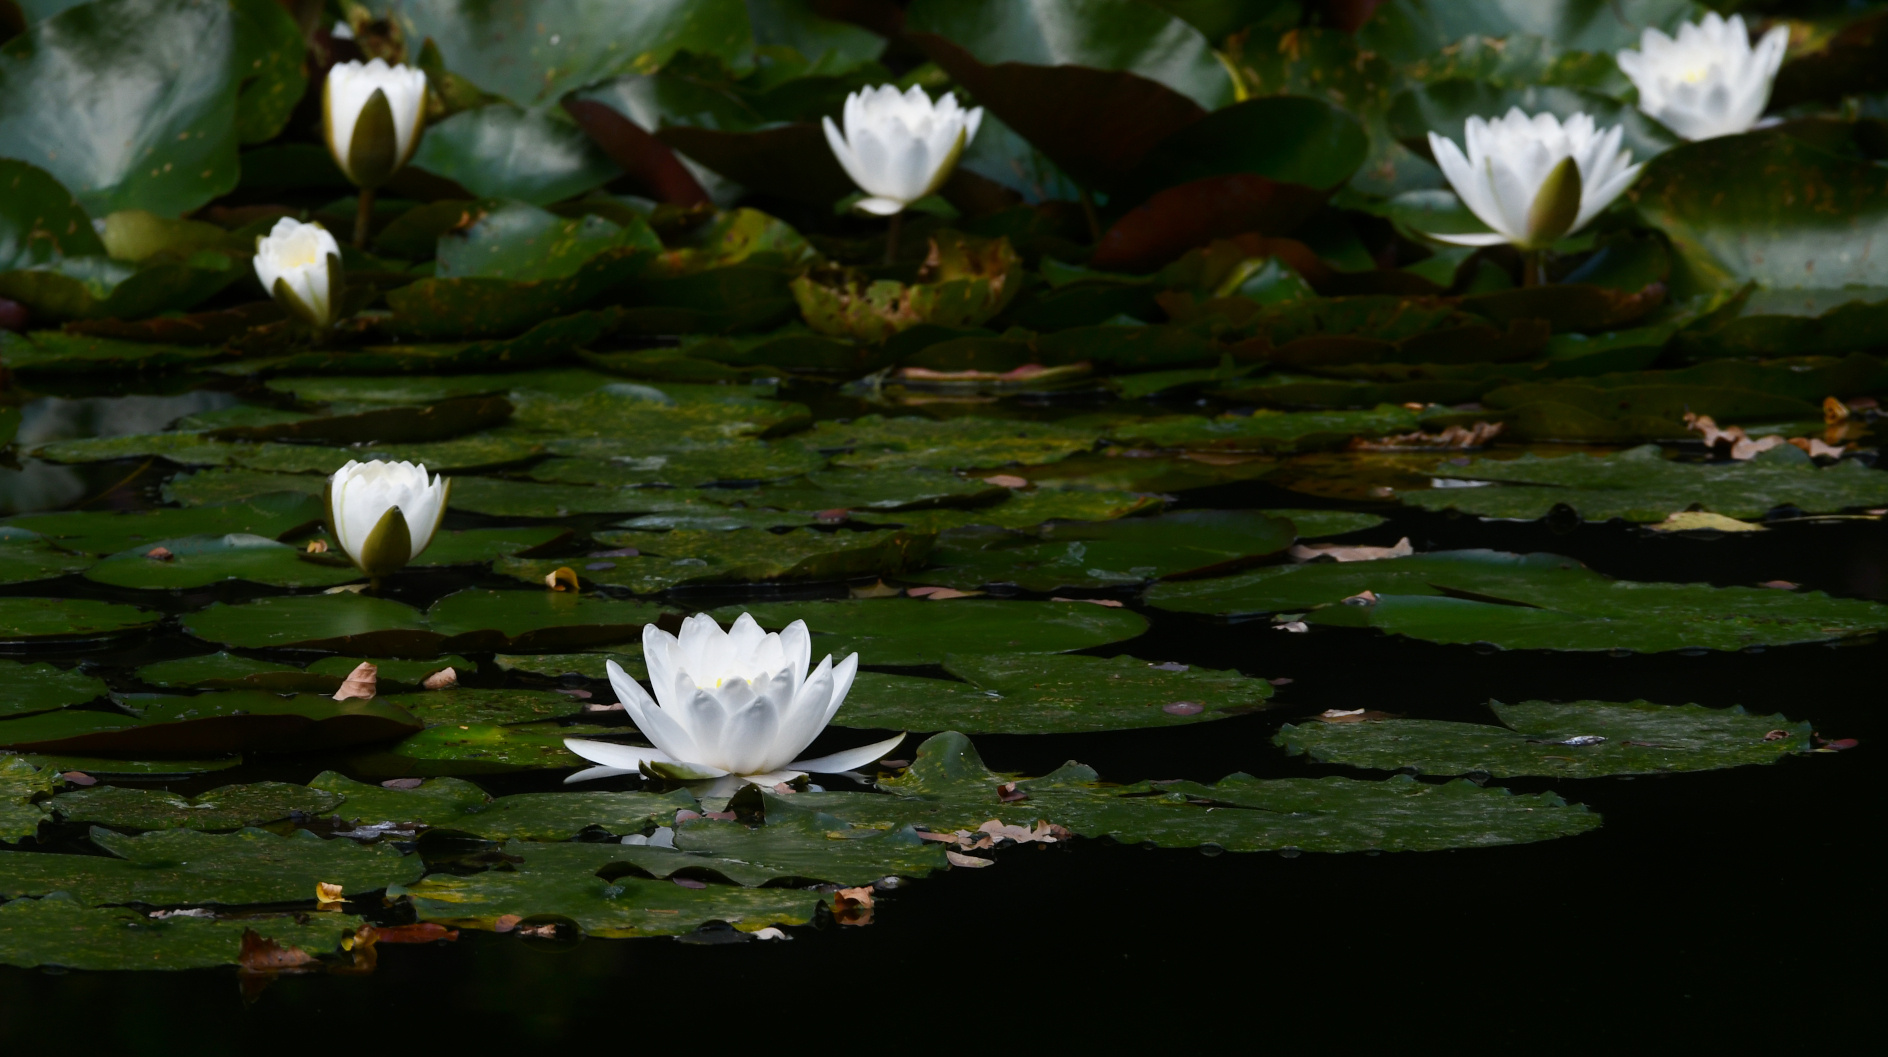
877, 590
423, 932
1304, 552
260, 955
853, 906
1007, 480
561, 578
506, 922
940, 594
159, 554
1834, 412
1109, 602
317, 546
441, 679
328, 893
1454, 438
79, 778
363, 682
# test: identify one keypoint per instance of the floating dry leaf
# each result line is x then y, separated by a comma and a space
1304, 552
1007, 480
939, 594
969, 861
561, 578
1454, 438
1109, 602
362, 683
1703, 521
441, 679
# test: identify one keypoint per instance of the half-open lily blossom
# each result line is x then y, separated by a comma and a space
300, 266
371, 114
383, 514
1709, 80
729, 703
900, 147
1533, 179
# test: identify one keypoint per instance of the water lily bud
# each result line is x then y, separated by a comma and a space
1709, 81
900, 147
1517, 180
300, 265
370, 113
383, 514
737, 705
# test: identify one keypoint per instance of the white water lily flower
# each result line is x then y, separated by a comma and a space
370, 113
735, 703
1709, 81
300, 266
383, 514
1532, 179
900, 147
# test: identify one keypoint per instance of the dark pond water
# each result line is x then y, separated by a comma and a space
1732, 904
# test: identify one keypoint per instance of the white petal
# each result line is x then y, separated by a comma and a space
592, 773
843, 674
797, 643
610, 754
1472, 238
879, 207
849, 759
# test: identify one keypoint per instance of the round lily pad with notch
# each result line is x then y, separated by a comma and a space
220, 722
1049, 693
228, 807
687, 556
467, 705
198, 561
1109, 553
49, 619
27, 556
41, 687
907, 631
1577, 739
1532, 601
1641, 484
350, 622
478, 618
184, 867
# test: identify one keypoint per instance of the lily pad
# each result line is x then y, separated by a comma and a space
477, 618
1267, 431
466, 705
587, 665
1110, 553
197, 561
435, 801
872, 442
229, 721
26, 556
902, 631
51, 619
226, 808
473, 748
561, 879
686, 556
1580, 739
107, 532
184, 867
41, 687
561, 816
353, 623
59, 931
1532, 601
1641, 484
1049, 693
1317, 524
22, 782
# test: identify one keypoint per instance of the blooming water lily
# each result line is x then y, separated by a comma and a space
1533, 179
300, 266
370, 114
899, 147
736, 703
383, 514
1709, 81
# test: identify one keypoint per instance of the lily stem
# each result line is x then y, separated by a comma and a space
1088, 213
891, 238
373, 585
1534, 268
363, 216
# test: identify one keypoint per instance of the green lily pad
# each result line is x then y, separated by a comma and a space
1317, 524
229, 721
225, 808
471, 748
197, 561
561, 879
561, 816
230, 485
189, 868
466, 705
49, 619
436, 801
1267, 431
26, 556
901, 631
477, 618
1049, 693
671, 559
58, 931
106, 532
587, 665
1023, 510
876, 443
478, 546
1580, 739
742, 460
112, 767
348, 622
229, 671
795, 843
21, 783
1643, 485
1108, 553
41, 687
964, 282
1533, 601
505, 151
502, 498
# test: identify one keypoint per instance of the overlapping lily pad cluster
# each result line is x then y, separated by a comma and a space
618, 293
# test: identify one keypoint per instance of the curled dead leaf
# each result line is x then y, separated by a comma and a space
853, 906
940, 594
262, 955
1834, 412
1009, 794
441, 679
506, 922
1454, 438
79, 778
592, 706
403, 783
159, 554
1304, 552
972, 862
1007, 480
1362, 598
878, 590
1294, 626
317, 547
1109, 602
328, 893
562, 578
363, 682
